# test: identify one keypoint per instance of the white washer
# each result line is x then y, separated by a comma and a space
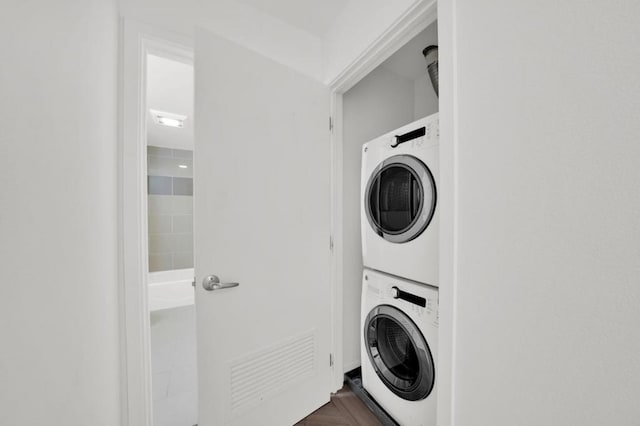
399, 214
399, 347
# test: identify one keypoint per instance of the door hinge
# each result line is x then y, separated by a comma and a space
193, 283
331, 243
330, 360
330, 124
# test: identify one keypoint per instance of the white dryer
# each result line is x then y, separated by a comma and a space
399, 214
399, 347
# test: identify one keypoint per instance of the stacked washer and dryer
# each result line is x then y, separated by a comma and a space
399, 219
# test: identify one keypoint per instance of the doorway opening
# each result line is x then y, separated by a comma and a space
394, 94
389, 88
139, 41
170, 276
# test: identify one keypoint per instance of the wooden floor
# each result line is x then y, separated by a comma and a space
344, 409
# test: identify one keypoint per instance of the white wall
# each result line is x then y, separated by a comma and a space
355, 28
379, 103
59, 362
548, 228
237, 22
426, 101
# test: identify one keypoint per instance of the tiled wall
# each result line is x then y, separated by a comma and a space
170, 206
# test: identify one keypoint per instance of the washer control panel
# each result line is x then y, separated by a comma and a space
420, 303
418, 300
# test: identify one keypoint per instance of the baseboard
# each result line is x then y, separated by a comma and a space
353, 379
353, 365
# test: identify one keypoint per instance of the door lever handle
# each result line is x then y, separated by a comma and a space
212, 282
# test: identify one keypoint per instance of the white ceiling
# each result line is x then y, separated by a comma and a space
408, 62
169, 89
312, 16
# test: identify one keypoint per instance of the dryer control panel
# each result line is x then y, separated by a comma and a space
422, 133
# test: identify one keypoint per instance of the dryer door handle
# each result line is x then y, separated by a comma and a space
414, 134
411, 298
395, 292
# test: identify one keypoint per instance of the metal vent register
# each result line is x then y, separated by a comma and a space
265, 373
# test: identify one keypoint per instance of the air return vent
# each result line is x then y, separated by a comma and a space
260, 375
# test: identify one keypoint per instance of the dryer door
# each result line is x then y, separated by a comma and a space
399, 353
400, 198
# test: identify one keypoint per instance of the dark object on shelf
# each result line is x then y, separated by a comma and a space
353, 379
430, 54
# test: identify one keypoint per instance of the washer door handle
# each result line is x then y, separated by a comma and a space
396, 293
212, 282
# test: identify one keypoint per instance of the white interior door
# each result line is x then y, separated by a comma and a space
262, 220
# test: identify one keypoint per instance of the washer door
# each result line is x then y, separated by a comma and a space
399, 353
400, 198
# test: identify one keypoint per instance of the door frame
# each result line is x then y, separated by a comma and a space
137, 41
415, 19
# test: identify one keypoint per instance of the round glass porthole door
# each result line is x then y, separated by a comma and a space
399, 353
400, 198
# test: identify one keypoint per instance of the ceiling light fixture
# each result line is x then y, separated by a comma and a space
168, 119
183, 166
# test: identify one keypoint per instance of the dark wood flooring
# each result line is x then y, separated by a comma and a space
344, 409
